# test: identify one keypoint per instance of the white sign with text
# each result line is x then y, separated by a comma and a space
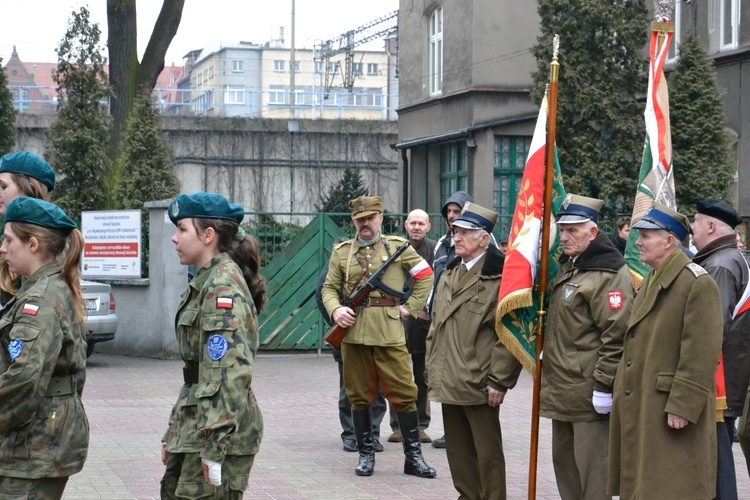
112, 248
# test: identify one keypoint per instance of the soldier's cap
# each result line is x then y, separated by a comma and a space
474, 216
660, 216
365, 206
577, 209
29, 164
202, 205
719, 210
38, 212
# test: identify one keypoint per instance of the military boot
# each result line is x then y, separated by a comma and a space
414, 464
362, 420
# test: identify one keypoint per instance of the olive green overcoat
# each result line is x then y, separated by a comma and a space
670, 354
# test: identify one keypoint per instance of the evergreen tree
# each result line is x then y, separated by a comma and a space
145, 158
600, 128
350, 186
699, 147
7, 115
78, 142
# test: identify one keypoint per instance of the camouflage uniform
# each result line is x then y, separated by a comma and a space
43, 426
216, 416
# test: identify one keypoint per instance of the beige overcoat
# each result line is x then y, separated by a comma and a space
670, 354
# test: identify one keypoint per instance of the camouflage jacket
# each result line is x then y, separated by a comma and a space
217, 335
43, 348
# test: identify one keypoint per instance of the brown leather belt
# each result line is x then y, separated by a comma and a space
380, 302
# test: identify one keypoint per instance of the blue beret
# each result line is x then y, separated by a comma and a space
38, 212
29, 164
204, 206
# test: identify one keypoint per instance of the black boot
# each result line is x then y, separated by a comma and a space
362, 420
414, 464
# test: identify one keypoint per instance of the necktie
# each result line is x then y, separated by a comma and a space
462, 271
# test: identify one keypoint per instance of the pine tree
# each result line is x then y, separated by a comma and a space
7, 115
350, 186
78, 142
600, 128
145, 158
699, 147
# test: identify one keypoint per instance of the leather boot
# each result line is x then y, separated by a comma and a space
414, 464
362, 420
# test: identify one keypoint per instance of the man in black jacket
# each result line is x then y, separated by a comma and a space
713, 236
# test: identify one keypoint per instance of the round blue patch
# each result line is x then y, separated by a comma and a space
217, 347
14, 349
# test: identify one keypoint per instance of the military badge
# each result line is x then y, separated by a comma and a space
567, 200
175, 208
217, 347
30, 309
224, 302
615, 300
14, 349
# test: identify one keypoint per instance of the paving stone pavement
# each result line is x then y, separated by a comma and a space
128, 401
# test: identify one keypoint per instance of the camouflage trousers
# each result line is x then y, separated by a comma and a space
47, 488
184, 477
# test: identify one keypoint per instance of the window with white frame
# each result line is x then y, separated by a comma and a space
278, 65
277, 95
238, 66
234, 95
357, 68
333, 68
729, 24
372, 68
435, 59
318, 68
674, 49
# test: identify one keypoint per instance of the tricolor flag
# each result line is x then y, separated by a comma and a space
656, 179
517, 304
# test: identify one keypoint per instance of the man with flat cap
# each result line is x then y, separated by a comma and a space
713, 236
468, 369
663, 431
374, 351
589, 309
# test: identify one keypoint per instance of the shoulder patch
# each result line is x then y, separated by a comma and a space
696, 269
217, 347
14, 349
224, 303
30, 309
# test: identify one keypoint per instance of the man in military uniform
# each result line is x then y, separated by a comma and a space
663, 431
590, 306
714, 238
374, 350
468, 369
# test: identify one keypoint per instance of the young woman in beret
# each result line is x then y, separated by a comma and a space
44, 432
216, 426
21, 174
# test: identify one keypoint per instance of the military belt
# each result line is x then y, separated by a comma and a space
380, 302
190, 374
62, 386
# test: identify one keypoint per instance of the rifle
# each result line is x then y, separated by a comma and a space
337, 333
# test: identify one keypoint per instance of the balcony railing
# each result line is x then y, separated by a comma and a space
238, 103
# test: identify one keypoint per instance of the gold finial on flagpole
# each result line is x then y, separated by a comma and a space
664, 13
554, 66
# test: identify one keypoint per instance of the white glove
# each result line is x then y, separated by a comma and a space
214, 471
602, 402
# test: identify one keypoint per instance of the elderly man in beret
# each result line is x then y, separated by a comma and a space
663, 431
468, 369
374, 350
713, 236
590, 305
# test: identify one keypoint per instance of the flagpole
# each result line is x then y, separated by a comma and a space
549, 170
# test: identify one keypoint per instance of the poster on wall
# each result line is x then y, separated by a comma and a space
112, 244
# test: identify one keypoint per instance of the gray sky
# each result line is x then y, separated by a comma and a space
37, 26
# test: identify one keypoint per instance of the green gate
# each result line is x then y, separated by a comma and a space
291, 319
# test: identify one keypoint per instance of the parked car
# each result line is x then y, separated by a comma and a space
101, 320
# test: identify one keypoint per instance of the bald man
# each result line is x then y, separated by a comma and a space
417, 226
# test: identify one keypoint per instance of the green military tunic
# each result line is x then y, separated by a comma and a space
43, 426
216, 416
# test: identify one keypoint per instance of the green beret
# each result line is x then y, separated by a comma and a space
204, 206
29, 164
38, 212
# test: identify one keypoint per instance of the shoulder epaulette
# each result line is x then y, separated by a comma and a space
398, 239
339, 245
696, 269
